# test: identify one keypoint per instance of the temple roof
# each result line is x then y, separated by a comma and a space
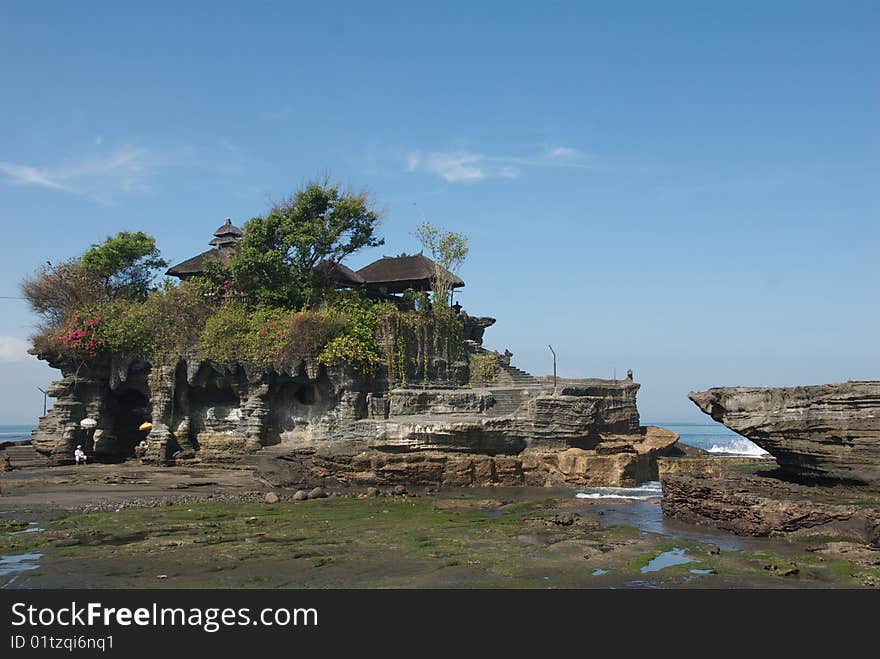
223, 242
396, 274
196, 264
227, 234
341, 274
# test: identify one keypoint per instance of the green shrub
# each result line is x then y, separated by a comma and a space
174, 320
266, 336
412, 338
484, 368
167, 324
357, 343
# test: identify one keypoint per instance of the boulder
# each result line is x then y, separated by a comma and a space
317, 493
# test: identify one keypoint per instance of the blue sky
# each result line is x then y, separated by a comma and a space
687, 189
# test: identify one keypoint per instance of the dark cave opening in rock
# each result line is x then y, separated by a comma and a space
211, 395
307, 393
130, 409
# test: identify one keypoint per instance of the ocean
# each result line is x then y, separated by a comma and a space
713, 437
13, 433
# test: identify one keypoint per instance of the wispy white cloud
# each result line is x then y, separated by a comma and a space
98, 176
107, 173
463, 166
27, 175
13, 349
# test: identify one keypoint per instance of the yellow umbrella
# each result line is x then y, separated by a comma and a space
146, 425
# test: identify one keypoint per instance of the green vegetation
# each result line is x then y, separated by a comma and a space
272, 306
124, 264
120, 268
411, 337
484, 368
276, 262
434, 541
448, 250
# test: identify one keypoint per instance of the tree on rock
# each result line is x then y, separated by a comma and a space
124, 264
56, 290
275, 262
448, 250
122, 267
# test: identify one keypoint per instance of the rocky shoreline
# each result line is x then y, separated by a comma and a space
823, 480
316, 422
120, 526
753, 497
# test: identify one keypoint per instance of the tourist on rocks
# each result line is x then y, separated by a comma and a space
79, 455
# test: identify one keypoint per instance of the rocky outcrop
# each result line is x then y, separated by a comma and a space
818, 432
475, 326
618, 461
112, 391
340, 424
748, 496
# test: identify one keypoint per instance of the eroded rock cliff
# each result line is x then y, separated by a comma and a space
340, 424
827, 431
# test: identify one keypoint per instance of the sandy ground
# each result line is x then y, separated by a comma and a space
103, 485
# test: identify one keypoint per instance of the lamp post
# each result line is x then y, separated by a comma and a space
554, 368
43, 391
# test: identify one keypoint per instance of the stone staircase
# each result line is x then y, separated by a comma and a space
512, 388
518, 377
23, 455
507, 401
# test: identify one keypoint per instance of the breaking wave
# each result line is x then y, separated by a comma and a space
648, 490
741, 447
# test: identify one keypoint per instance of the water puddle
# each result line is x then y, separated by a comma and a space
598, 572
32, 528
20, 563
647, 516
693, 571
674, 556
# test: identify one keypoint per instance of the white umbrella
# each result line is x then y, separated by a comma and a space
88, 424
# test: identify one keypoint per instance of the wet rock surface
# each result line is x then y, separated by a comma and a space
754, 497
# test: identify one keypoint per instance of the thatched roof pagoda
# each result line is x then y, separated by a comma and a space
340, 274
396, 274
223, 250
388, 276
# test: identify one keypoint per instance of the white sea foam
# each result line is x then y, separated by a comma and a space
742, 447
647, 490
